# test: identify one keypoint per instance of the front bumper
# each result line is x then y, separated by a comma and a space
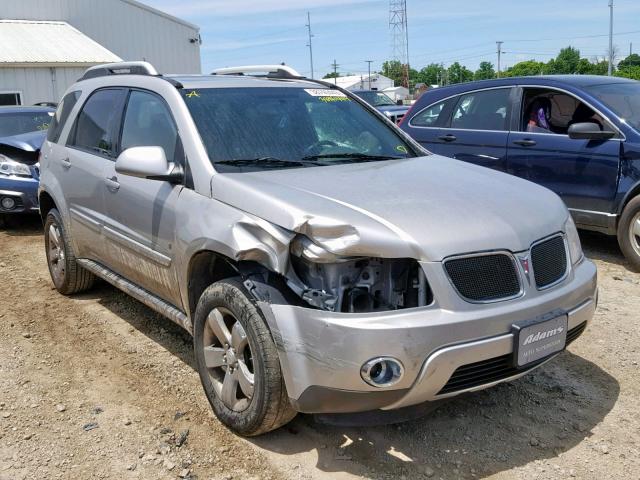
321, 352
24, 192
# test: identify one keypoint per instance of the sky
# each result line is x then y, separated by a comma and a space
242, 32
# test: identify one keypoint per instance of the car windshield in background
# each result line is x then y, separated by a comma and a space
622, 98
17, 123
376, 99
248, 129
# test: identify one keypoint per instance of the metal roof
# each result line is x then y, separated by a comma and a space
43, 43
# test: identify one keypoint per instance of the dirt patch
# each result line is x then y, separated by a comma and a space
99, 386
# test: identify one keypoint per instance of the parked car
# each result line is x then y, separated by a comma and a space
22, 131
383, 103
322, 261
577, 135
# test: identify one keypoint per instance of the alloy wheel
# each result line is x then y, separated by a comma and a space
228, 358
634, 233
56, 253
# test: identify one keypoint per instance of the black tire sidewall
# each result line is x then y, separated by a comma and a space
53, 217
231, 295
630, 211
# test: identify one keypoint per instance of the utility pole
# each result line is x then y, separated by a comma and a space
610, 70
309, 44
369, 62
499, 44
335, 71
630, 48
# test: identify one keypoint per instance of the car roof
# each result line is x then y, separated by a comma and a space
241, 81
553, 80
24, 109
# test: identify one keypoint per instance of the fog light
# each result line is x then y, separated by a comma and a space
8, 203
382, 372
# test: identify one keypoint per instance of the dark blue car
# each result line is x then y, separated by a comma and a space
576, 135
22, 131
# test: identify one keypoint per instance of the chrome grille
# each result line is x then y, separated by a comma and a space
484, 278
549, 261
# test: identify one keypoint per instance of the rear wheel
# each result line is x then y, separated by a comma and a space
629, 233
238, 362
67, 275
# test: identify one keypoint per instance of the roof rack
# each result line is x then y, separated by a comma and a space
269, 71
126, 68
120, 68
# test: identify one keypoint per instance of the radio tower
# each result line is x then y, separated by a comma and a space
399, 36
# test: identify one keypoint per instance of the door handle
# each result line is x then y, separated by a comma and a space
112, 184
66, 163
525, 143
448, 137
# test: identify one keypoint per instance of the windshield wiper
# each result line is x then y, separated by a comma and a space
266, 162
363, 157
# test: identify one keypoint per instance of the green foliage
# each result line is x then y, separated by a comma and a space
485, 71
632, 60
432, 74
457, 73
632, 72
393, 70
332, 75
526, 68
566, 62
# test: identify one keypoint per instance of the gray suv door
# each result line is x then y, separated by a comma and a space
90, 148
140, 222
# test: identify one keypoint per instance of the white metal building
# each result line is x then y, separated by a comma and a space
39, 60
89, 32
361, 82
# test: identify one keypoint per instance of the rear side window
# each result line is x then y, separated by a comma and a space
148, 123
94, 126
62, 113
484, 110
430, 116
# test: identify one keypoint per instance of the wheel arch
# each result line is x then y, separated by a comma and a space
47, 203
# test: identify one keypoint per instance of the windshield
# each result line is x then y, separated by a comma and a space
285, 127
622, 98
376, 99
16, 123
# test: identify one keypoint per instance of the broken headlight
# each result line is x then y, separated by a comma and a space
11, 167
356, 284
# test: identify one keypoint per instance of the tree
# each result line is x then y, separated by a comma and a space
632, 60
485, 71
526, 68
432, 74
332, 75
457, 73
629, 72
393, 69
566, 61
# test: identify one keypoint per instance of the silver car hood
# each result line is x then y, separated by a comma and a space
425, 208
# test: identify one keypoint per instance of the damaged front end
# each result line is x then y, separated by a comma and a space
354, 284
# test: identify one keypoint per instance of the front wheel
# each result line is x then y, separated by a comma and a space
629, 233
237, 361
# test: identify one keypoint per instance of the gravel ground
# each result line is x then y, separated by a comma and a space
99, 386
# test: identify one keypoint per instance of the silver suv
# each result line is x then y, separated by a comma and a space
322, 260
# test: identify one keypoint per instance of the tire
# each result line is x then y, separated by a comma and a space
629, 233
67, 275
250, 399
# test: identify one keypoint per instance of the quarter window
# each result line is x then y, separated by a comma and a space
93, 130
484, 110
148, 123
62, 113
430, 116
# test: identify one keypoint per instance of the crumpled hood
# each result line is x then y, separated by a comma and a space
426, 208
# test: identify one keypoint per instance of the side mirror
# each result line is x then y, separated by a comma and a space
589, 131
148, 162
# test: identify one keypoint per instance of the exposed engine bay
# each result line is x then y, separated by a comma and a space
356, 284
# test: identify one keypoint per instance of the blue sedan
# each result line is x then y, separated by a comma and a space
576, 135
22, 132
